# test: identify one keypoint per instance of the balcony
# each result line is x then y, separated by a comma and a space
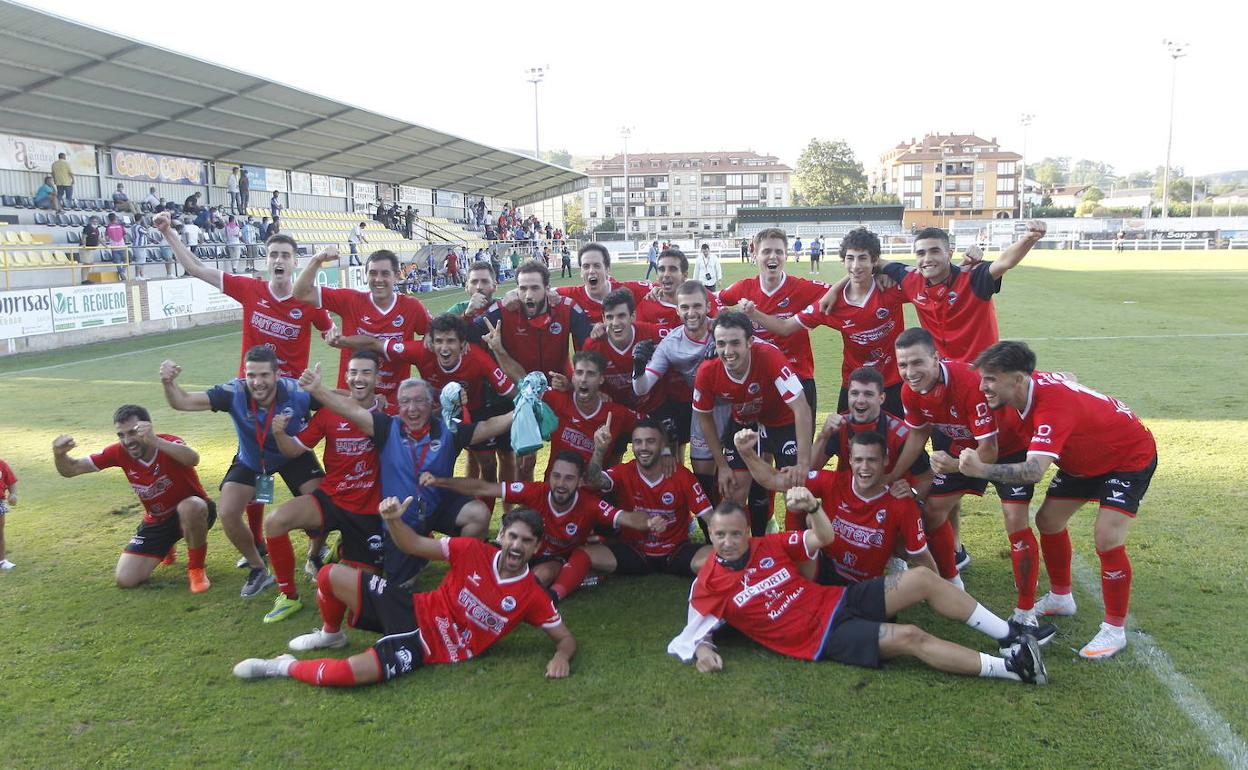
959, 169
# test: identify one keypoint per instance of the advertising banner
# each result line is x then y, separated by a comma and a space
209, 299
320, 185
256, 179
300, 182
130, 164
171, 299
89, 306
338, 187
274, 179
24, 153
25, 313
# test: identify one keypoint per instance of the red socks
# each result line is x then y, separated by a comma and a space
1115, 584
1025, 554
944, 545
324, 672
332, 610
255, 522
572, 574
282, 557
195, 557
1056, 550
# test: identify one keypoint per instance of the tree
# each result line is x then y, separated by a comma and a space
1091, 172
1140, 179
558, 157
1159, 181
573, 216
607, 225
828, 174
1093, 194
1051, 172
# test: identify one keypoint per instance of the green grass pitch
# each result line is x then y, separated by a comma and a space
92, 676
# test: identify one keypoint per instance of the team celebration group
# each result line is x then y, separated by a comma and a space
713, 391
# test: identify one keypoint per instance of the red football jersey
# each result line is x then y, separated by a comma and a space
769, 601
567, 530
894, 431
618, 379
593, 307
761, 396
282, 325
787, 300
675, 498
352, 467
959, 312
160, 484
540, 344
474, 371
1088, 433
869, 330
954, 406
472, 608
7, 478
576, 429
867, 530
405, 318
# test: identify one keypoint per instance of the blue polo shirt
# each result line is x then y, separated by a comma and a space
233, 397
403, 459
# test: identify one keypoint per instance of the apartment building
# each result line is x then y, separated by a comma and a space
950, 176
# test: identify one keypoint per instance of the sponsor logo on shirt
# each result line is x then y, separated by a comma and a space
770, 583
872, 335
353, 447
481, 615
152, 491
856, 534
273, 327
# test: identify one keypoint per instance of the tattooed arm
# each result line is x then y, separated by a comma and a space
1030, 471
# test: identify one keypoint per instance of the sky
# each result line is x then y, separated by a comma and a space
687, 77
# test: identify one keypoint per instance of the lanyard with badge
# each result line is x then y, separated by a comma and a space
264, 479
418, 465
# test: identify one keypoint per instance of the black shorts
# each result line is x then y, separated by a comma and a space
629, 560
294, 473
946, 484
1014, 493
812, 393
814, 258
853, 637
826, 574
155, 540
442, 518
677, 419
494, 406
386, 607
892, 401
780, 441
361, 532
1121, 491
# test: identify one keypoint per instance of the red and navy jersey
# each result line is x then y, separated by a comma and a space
352, 467
405, 318
160, 484
540, 344
593, 307
958, 312
894, 431
576, 428
954, 406
867, 529
869, 330
474, 371
1087, 433
474, 607
7, 478
676, 498
787, 300
617, 380
768, 600
761, 396
282, 325
562, 531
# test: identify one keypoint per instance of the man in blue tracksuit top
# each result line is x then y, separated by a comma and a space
252, 401
412, 443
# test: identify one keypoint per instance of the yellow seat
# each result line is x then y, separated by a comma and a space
62, 258
25, 238
18, 259
4, 259
11, 238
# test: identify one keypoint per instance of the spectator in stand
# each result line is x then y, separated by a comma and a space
231, 187
233, 239
46, 197
558, 235
244, 189
354, 239
273, 229
545, 256
409, 217
191, 205
203, 218
191, 234
89, 240
63, 178
139, 240
247, 233
262, 229
380, 216
550, 231
115, 232
275, 205
152, 201
121, 201
161, 249
707, 269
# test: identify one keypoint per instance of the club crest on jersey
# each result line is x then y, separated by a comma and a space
508, 603
880, 515
767, 562
555, 327
668, 498
953, 411
783, 303
953, 296
752, 388
517, 487
398, 347
571, 528
881, 313
398, 321
435, 445
296, 313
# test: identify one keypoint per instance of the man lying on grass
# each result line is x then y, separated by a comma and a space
487, 591
754, 585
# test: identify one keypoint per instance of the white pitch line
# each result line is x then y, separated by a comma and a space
1222, 738
1139, 337
20, 372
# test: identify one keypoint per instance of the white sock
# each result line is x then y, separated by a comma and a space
992, 667
982, 619
283, 667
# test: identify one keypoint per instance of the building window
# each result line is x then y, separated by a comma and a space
593, 214
779, 193
617, 182
1005, 184
910, 201
979, 167
1005, 201
1005, 168
979, 186
912, 169
913, 186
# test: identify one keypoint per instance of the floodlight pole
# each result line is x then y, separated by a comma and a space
536, 74
1176, 51
1025, 120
